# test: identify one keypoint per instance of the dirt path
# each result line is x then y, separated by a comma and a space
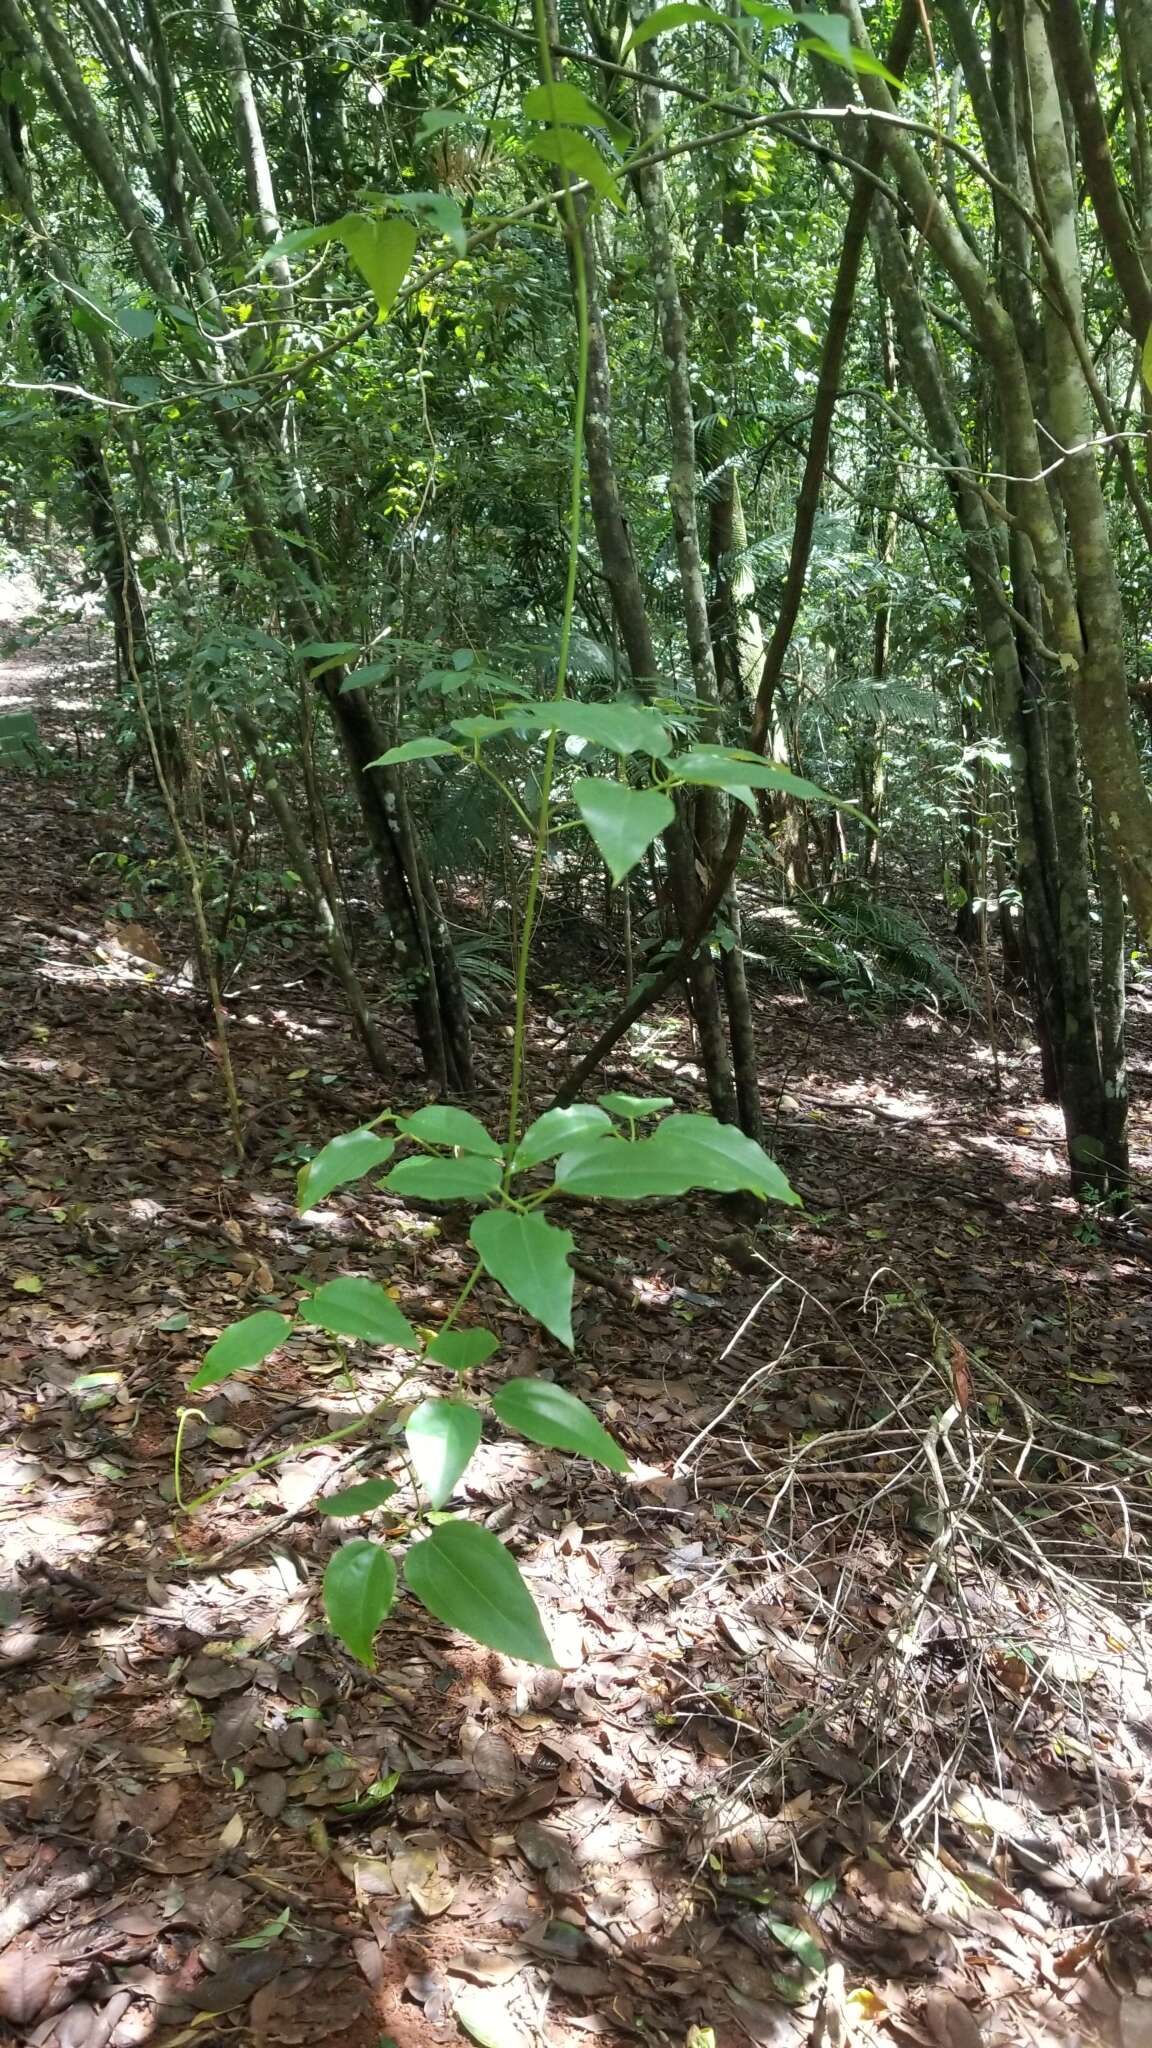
852, 1671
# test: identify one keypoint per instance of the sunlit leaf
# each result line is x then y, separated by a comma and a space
678, 14
561, 101
359, 1499
349, 1307
381, 250
550, 1415
529, 1258
411, 750
440, 1124
467, 1178
460, 1350
623, 728
465, 1577
572, 151
556, 1130
732, 769
623, 822
684, 1152
441, 1438
359, 1589
635, 1106
237, 1349
343, 1159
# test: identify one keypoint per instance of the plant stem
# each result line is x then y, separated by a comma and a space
543, 817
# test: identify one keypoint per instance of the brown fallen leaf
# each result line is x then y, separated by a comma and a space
581, 1980
548, 1852
434, 1895
237, 1725
486, 1965
949, 2021
27, 1981
495, 1762
216, 1906
209, 1678
234, 1985
270, 1791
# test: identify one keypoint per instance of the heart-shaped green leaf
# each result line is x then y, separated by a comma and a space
556, 1130
440, 1124
466, 1178
530, 1260
349, 1307
381, 251
550, 1415
359, 1589
343, 1159
413, 750
465, 1577
635, 1106
623, 822
460, 1350
240, 1347
441, 1437
359, 1499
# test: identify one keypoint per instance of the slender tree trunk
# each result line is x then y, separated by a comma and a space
1113, 1052
303, 864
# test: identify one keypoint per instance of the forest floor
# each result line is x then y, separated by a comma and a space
852, 1739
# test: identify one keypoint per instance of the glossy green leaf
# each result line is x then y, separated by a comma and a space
439, 211
465, 1577
374, 672
684, 1152
266, 1935
769, 17
556, 1130
440, 1124
571, 150
617, 1169
801, 1944
413, 750
349, 1307
343, 1159
635, 1106
832, 29
623, 728
381, 250
857, 60
359, 1499
561, 101
678, 14
550, 1415
138, 322
481, 727
623, 822
441, 1438
465, 1178
529, 1258
720, 768
359, 1589
297, 241
719, 1157
375, 1795
460, 1350
237, 1349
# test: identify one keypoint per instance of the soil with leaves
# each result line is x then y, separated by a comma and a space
850, 1734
